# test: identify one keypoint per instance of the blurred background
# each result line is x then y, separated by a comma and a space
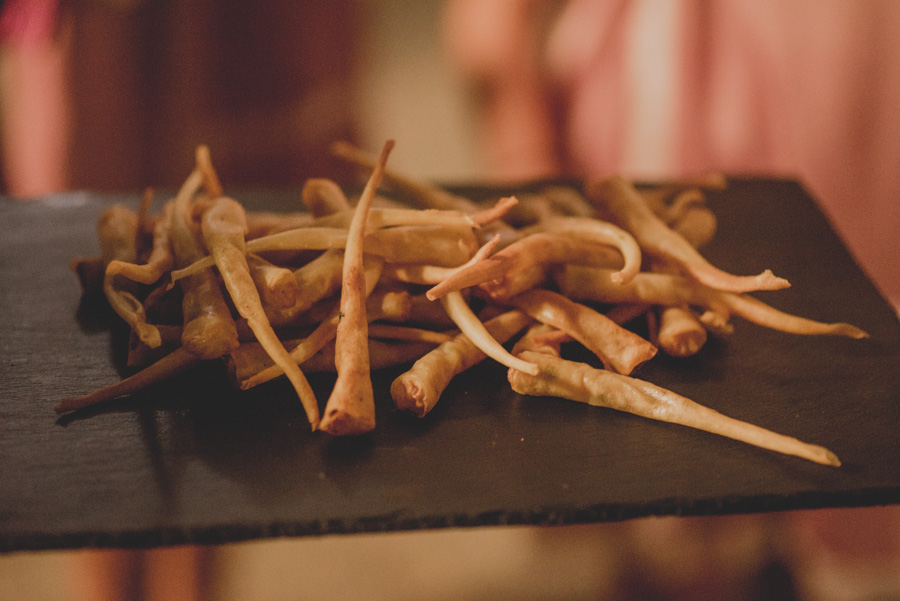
114, 95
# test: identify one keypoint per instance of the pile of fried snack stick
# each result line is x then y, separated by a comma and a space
438, 284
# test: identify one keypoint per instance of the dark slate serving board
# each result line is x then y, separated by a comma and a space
194, 461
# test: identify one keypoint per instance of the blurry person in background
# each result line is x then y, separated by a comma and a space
660, 88
34, 101
116, 94
806, 88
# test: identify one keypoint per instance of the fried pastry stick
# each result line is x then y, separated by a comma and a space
277, 286
209, 330
618, 348
443, 244
526, 264
323, 197
618, 200
223, 226
426, 195
419, 389
118, 231
176, 362
586, 384
385, 305
470, 325
676, 330
351, 406
587, 284
160, 260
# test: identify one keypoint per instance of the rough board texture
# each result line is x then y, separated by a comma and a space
194, 461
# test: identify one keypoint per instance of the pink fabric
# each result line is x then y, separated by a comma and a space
806, 88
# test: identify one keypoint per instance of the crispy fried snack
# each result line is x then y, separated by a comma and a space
585, 384
619, 201
419, 389
351, 406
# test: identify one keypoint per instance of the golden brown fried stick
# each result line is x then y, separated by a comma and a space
209, 330
118, 232
324, 197
583, 383
387, 305
223, 226
525, 264
435, 274
617, 200
160, 260
419, 389
587, 284
278, 288
619, 349
174, 363
422, 193
470, 325
350, 408
431, 244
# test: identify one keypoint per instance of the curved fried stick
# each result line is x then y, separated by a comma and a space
174, 363
525, 264
583, 383
434, 274
118, 231
618, 348
160, 260
618, 200
427, 195
324, 197
469, 324
419, 389
587, 283
351, 406
223, 227
209, 330
432, 244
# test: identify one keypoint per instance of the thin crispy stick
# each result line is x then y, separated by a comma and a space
419, 389
435, 274
350, 408
618, 200
324, 197
387, 305
160, 260
437, 244
174, 363
209, 330
587, 284
526, 264
427, 195
118, 232
398, 332
469, 324
583, 383
278, 288
619, 349
223, 227
210, 177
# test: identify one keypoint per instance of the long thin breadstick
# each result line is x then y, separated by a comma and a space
590, 284
209, 331
583, 383
618, 200
351, 405
618, 348
174, 363
469, 324
419, 389
224, 226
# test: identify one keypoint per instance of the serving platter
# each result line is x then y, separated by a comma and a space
194, 461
